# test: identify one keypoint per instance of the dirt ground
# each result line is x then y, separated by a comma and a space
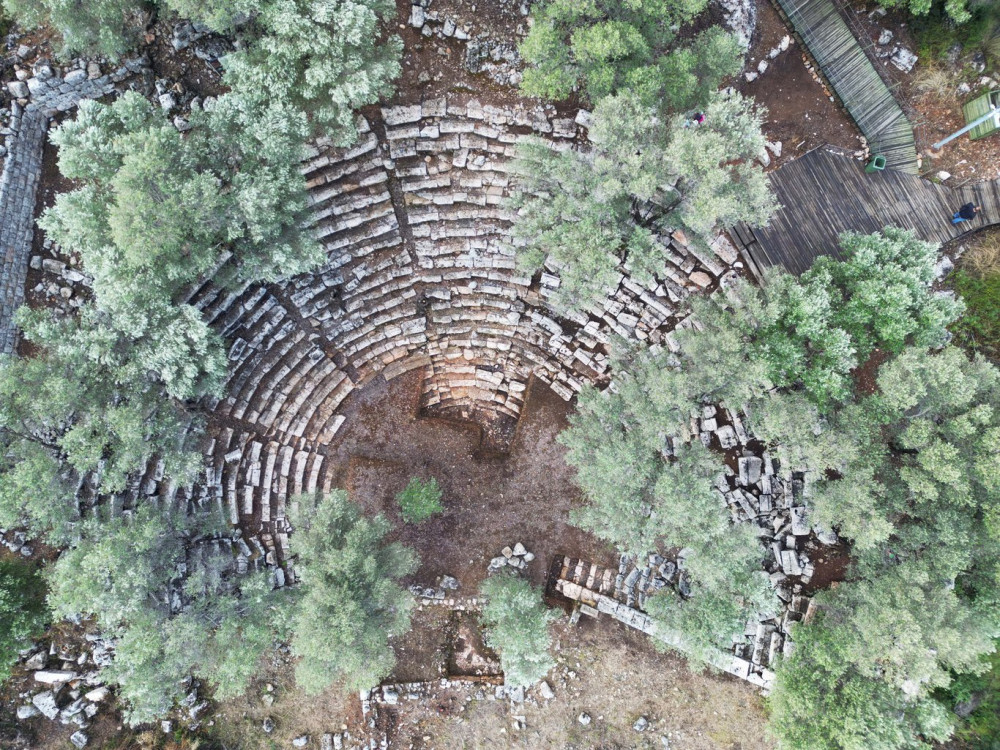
799, 111
490, 501
615, 676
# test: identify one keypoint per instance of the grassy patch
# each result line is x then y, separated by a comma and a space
979, 328
420, 500
977, 280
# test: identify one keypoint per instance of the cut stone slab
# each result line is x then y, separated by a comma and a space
46, 703
750, 468
54, 676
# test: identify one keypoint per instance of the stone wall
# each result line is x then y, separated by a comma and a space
36, 99
18, 185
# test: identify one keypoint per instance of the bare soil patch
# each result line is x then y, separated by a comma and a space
615, 676
490, 500
799, 112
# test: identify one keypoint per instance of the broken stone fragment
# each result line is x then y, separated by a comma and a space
26, 712
519, 550
545, 690
46, 703
53, 676
584, 718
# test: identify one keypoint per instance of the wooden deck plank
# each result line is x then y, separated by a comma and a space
824, 194
855, 80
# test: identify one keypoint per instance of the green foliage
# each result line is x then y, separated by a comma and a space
605, 48
155, 211
99, 27
220, 15
125, 572
957, 11
420, 500
585, 213
908, 474
517, 626
22, 610
885, 287
821, 702
324, 58
979, 329
350, 603
982, 727
84, 403
158, 209
640, 503
811, 332
936, 32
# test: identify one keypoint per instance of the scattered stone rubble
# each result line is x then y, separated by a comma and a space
444, 594
764, 63
740, 17
762, 492
516, 557
498, 59
66, 685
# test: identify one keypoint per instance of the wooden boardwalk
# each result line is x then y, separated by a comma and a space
855, 80
825, 193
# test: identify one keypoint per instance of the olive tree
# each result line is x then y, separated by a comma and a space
351, 604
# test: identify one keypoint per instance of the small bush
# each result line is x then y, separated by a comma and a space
22, 610
420, 500
978, 283
981, 728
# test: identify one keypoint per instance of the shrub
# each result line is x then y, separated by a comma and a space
517, 626
22, 610
101, 27
420, 500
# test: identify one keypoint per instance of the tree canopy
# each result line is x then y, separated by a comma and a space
516, 622
209, 622
350, 603
603, 48
586, 213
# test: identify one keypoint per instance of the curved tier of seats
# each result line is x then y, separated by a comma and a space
420, 274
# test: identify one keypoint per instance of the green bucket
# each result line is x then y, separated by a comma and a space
877, 164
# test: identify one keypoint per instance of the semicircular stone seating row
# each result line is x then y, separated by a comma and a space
420, 274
